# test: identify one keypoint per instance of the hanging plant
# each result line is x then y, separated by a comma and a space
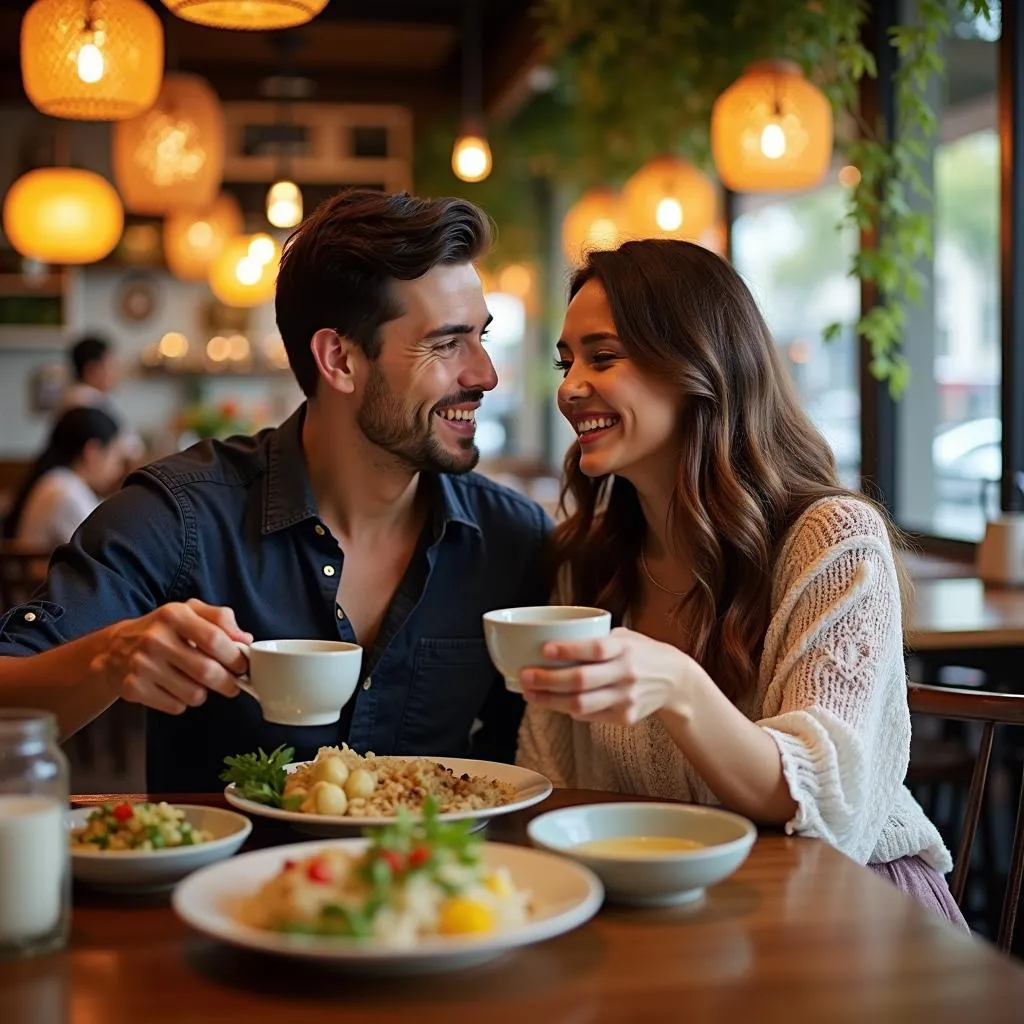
639, 79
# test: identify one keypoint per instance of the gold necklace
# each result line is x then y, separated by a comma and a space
663, 589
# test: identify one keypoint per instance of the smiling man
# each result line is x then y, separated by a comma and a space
358, 519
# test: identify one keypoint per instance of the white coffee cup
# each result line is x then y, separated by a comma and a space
516, 636
301, 682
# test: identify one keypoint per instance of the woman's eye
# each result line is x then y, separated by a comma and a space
603, 358
563, 366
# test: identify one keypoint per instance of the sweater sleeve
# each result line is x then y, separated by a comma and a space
838, 684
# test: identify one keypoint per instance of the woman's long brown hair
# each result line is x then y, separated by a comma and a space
750, 459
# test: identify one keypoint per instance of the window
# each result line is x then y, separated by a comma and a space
950, 456
795, 258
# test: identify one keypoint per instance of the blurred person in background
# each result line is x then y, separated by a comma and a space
82, 463
96, 372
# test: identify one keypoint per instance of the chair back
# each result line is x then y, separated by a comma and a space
991, 709
22, 570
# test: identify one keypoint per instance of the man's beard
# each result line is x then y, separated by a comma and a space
388, 424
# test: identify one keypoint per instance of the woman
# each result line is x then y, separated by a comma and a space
83, 461
762, 667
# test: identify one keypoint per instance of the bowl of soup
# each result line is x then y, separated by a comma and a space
649, 854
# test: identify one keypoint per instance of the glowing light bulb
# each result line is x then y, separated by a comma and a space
773, 141
249, 270
669, 214
261, 250
90, 63
200, 234
284, 204
471, 158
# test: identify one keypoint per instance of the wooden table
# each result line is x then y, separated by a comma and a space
960, 614
800, 933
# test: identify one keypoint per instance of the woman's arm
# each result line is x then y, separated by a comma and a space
832, 755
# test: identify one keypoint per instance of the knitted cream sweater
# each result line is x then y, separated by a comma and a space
831, 692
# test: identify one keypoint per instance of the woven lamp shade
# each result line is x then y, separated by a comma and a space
63, 215
172, 156
669, 198
193, 239
245, 273
771, 130
594, 221
247, 15
91, 61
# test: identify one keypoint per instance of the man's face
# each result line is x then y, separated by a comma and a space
422, 391
103, 373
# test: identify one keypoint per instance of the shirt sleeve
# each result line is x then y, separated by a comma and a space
843, 725
124, 561
502, 712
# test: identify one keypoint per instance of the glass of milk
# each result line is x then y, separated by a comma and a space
35, 877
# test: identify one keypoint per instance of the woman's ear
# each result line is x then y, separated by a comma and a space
335, 357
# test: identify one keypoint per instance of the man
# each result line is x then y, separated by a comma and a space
95, 374
94, 371
357, 519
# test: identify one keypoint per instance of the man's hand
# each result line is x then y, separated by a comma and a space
170, 659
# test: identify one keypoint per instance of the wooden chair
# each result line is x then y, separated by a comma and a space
989, 709
22, 570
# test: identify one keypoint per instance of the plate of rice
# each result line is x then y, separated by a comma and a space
341, 792
418, 896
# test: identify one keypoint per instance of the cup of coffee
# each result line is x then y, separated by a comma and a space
301, 682
516, 636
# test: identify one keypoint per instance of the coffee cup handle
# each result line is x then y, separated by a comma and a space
243, 680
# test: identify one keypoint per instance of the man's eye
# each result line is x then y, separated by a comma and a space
448, 346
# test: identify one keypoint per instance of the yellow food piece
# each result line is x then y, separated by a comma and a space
463, 916
499, 885
361, 784
331, 769
329, 798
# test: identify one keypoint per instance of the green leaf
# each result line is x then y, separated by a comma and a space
259, 777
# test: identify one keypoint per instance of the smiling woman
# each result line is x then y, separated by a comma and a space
759, 660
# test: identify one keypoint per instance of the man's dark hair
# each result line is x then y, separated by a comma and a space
87, 350
338, 265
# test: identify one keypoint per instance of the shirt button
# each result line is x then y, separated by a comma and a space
328, 570
319, 530
30, 616
367, 684
339, 612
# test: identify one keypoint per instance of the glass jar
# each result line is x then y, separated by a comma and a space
35, 876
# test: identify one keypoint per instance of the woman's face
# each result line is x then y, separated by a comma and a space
102, 465
626, 420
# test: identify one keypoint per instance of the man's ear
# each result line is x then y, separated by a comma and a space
336, 359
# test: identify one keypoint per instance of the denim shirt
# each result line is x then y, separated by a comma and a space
235, 523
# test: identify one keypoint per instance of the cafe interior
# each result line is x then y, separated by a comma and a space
860, 163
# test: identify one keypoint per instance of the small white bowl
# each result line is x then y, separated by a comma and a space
144, 870
649, 879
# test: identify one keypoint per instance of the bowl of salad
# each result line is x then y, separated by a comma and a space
138, 846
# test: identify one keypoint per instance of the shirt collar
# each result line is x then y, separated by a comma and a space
289, 495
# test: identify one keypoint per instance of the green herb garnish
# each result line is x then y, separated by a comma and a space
260, 777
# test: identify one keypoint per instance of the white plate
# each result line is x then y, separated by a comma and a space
564, 896
145, 870
530, 787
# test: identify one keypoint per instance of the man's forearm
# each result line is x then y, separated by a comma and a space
68, 680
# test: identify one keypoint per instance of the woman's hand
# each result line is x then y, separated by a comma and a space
619, 679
